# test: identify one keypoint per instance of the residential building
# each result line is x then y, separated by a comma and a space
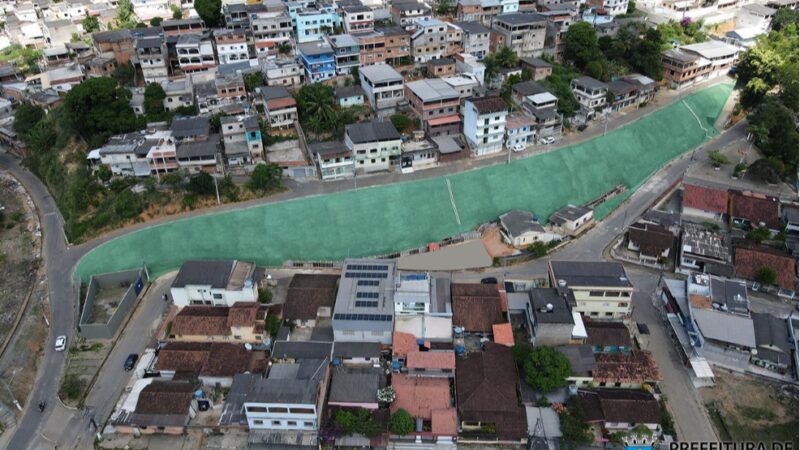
212, 363
436, 104
469, 65
358, 19
346, 53
310, 297
487, 398
179, 94
520, 132
624, 95
383, 86
280, 107
125, 155
241, 136
485, 124
375, 145
572, 220
314, 24
333, 159
703, 250
644, 85
590, 94
620, 410
611, 7
282, 72
749, 258
155, 405
706, 203
551, 316
774, 344
419, 153
358, 354
652, 242
387, 44
230, 89
539, 68
289, 399
722, 56
474, 38
355, 387
428, 400
271, 30
476, 307
231, 45
441, 67
174, 27
608, 337
242, 322
509, 6
318, 60
364, 307
682, 69
628, 370
235, 15
466, 85
602, 290
151, 54
754, 210
214, 283
522, 32
521, 229
56, 57
755, 16
349, 96
407, 13
434, 39
62, 79
195, 53
162, 157
469, 11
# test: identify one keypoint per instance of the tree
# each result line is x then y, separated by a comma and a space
401, 422
176, 12
401, 122
125, 15
156, 21
264, 295
26, 116
598, 70
272, 324
100, 106
154, 96
717, 158
252, 81
354, 74
104, 173
124, 74
386, 394
316, 105
538, 249
784, 18
90, 24
759, 234
768, 170
201, 184
546, 369
345, 420
774, 131
506, 57
580, 44
645, 56
573, 427
631, 7
767, 276
265, 177
444, 8
210, 11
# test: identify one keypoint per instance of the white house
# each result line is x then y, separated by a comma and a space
383, 86
375, 145
485, 124
521, 229
756, 16
572, 220
590, 93
214, 283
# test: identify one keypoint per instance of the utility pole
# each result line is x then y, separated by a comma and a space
355, 181
216, 188
605, 126
11, 394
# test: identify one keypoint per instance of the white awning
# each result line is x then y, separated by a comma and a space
579, 330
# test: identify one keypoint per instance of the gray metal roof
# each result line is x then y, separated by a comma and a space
520, 18
569, 212
380, 73
732, 294
772, 338
517, 222
581, 358
295, 383
204, 149
190, 127
550, 306
302, 350
446, 145
274, 92
374, 131
590, 83
355, 385
149, 42
203, 273
315, 48
473, 27
725, 327
760, 9
356, 350
328, 148
432, 90
590, 273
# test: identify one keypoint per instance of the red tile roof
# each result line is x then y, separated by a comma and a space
636, 366
476, 307
705, 198
307, 293
424, 396
205, 358
403, 344
431, 360
503, 334
756, 208
749, 258
201, 321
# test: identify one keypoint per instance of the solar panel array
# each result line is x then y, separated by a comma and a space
367, 295
367, 267
366, 304
369, 283
369, 317
366, 275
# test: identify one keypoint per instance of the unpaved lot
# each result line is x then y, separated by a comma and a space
743, 409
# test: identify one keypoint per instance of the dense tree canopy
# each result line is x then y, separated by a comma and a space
99, 106
26, 116
401, 422
503, 58
90, 24
265, 177
546, 369
210, 11
154, 96
125, 15
580, 44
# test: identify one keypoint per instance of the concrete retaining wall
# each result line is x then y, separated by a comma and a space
87, 328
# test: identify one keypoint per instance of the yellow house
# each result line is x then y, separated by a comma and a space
602, 289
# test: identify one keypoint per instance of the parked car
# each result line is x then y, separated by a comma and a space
518, 148
547, 140
489, 280
61, 343
582, 127
130, 363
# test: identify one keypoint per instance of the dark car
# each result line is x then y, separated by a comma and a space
489, 280
130, 363
582, 127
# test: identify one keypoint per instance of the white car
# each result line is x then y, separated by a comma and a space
518, 148
547, 140
61, 343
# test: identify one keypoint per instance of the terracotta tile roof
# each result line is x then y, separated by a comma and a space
620, 406
431, 360
165, 397
201, 321
476, 307
651, 239
700, 301
244, 314
503, 334
307, 293
749, 258
422, 396
403, 344
281, 103
205, 358
489, 104
607, 334
444, 422
705, 198
756, 208
636, 366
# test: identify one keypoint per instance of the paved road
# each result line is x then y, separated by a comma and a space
60, 260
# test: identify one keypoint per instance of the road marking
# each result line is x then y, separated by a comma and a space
699, 122
453, 200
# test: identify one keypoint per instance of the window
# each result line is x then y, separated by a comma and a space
608, 314
596, 293
291, 423
622, 304
279, 410
256, 409
302, 411
276, 422
308, 424
217, 296
258, 422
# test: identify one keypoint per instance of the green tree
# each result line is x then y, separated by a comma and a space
401, 422
717, 158
125, 15
99, 106
631, 7
26, 116
201, 184
176, 12
547, 369
104, 173
784, 18
598, 70
768, 170
265, 177
90, 24
156, 21
124, 74
401, 122
154, 96
759, 235
444, 8
345, 420
272, 324
580, 44
316, 105
766, 276
573, 426
774, 130
506, 57
210, 11
264, 295
645, 56
252, 81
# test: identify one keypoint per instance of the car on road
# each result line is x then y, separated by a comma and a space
489, 280
130, 363
582, 127
547, 140
61, 343
518, 148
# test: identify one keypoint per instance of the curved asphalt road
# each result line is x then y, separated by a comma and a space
60, 260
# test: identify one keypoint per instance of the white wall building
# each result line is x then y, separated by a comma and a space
375, 145
214, 283
383, 86
485, 124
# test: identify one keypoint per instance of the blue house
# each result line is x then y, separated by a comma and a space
350, 96
314, 24
318, 60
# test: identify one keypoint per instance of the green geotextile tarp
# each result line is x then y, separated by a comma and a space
400, 216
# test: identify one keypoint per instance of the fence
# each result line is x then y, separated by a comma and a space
134, 280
